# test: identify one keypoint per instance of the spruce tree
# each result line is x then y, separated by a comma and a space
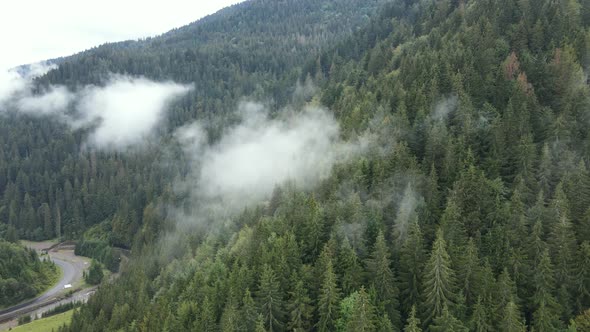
413, 324
547, 311
511, 319
447, 322
480, 318
350, 268
382, 278
363, 314
270, 300
328, 300
439, 280
412, 259
300, 309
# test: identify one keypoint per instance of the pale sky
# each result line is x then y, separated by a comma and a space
36, 30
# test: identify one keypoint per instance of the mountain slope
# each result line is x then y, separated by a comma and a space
469, 212
51, 186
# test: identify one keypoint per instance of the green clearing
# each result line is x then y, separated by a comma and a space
46, 324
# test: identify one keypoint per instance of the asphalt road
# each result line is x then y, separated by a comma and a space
72, 272
68, 277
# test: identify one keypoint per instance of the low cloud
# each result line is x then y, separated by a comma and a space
54, 100
257, 154
121, 114
444, 108
126, 110
16, 83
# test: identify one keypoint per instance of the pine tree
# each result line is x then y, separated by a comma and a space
384, 324
563, 251
270, 301
412, 259
350, 268
248, 312
547, 310
469, 272
577, 189
260, 324
511, 319
447, 322
363, 314
45, 214
230, 319
413, 324
313, 228
300, 309
405, 214
207, 318
506, 292
383, 279
439, 280
452, 226
328, 300
480, 319
582, 278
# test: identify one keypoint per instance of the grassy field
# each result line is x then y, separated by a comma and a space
46, 324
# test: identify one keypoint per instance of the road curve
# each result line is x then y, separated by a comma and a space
69, 275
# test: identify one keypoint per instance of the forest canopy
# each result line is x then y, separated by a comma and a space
467, 208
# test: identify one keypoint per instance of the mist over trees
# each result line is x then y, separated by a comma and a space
468, 211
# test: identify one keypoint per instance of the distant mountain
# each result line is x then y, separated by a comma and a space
255, 49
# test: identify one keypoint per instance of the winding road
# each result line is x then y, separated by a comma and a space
72, 268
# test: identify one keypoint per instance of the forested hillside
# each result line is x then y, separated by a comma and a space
22, 274
469, 212
52, 187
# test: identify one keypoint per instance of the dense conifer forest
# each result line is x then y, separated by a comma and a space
468, 210
22, 274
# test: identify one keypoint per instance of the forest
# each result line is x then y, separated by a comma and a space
22, 274
467, 210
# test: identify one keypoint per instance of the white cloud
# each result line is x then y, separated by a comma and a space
127, 110
259, 153
56, 99
14, 83
121, 114
10, 83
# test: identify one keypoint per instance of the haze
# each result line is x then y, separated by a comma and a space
35, 30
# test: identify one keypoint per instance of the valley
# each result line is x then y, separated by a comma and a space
72, 269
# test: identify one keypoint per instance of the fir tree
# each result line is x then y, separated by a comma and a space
439, 280
383, 279
511, 319
413, 324
270, 301
328, 300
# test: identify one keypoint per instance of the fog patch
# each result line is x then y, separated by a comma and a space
258, 153
16, 83
122, 113
126, 110
304, 91
406, 212
54, 100
444, 108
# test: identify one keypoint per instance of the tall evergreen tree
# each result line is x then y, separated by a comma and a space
270, 301
363, 314
412, 259
300, 309
328, 300
511, 320
413, 324
383, 279
439, 280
